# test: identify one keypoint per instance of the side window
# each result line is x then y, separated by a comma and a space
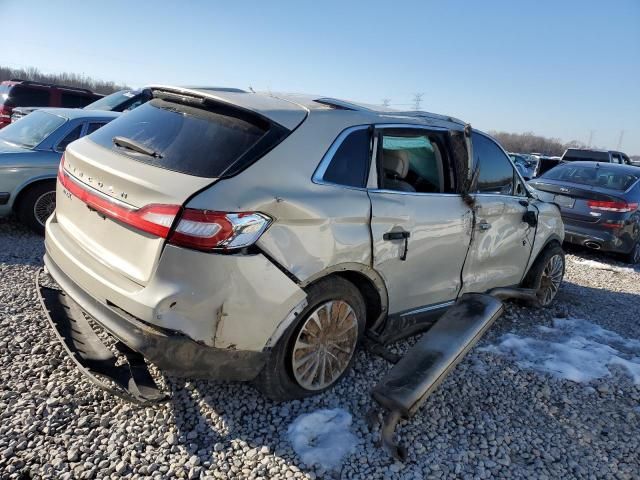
615, 158
350, 163
71, 136
411, 161
71, 100
496, 174
93, 126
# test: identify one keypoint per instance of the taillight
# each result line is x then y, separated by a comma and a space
199, 229
5, 113
607, 206
208, 230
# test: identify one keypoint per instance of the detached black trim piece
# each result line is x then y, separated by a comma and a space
174, 353
4, 198
132, 380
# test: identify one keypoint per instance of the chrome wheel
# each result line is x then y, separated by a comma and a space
44, 206
325, 345
551, 279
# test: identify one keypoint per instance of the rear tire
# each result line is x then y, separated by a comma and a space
546, 274
633, 257
322, 339
36, 204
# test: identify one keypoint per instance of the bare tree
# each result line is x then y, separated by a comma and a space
386, 102
530, 143
65, 78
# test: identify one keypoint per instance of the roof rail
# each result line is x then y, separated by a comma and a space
217, 89
341, 104
423, 114
45, 84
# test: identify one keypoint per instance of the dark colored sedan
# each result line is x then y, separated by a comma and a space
599, 204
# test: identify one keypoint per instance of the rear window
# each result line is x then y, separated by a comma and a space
31, 130
186, 138
600, 177
20, 96
586, 155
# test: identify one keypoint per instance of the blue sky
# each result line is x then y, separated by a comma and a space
567, 69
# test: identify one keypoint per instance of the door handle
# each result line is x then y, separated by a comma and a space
399, 235
484, 226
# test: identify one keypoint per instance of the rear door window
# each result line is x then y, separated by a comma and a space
496, 174
349, 164
73, 100
93, 126
72, 136
187, 138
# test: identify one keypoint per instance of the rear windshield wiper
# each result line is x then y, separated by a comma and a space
135, 146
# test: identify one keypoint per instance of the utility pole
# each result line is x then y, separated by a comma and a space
417, 101
620, 139
590, 138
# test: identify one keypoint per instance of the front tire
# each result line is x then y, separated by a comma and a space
318, 349
36, 205
546, 274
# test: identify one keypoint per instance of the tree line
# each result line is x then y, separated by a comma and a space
531, 143
65, 78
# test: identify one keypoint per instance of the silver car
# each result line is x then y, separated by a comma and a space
245, 236
30, 153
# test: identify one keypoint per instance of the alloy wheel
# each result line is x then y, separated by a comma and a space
44, 206
325, 345
551, 279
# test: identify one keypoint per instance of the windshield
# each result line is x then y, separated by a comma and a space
113, 101
600, 177
31, 130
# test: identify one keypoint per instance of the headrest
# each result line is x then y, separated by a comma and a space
396, 162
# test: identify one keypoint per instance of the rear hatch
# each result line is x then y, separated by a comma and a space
150, 162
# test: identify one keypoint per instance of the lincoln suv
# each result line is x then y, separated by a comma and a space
245, 236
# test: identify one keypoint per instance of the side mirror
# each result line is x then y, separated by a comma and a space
530, 218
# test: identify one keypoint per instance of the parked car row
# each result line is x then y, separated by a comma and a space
30, 148
24, 93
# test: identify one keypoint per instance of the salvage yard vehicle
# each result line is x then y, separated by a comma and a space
591, 155
245, 236
30, 153
25, 93
599, 205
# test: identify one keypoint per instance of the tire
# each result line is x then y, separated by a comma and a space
279, 380
633, 257
36, 204
546, 274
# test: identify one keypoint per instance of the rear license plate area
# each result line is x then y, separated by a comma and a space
563, 201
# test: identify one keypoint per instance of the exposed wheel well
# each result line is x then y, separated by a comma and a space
28, 187
367, 289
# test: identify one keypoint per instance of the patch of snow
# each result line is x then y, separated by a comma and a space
323, 437
574, 349
603, 266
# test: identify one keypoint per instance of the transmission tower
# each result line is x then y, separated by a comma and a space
417, 101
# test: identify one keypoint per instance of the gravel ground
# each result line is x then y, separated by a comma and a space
488, 419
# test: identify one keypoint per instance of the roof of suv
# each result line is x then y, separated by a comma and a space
285, 108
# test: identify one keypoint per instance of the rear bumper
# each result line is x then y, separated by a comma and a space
172, 352
607, 240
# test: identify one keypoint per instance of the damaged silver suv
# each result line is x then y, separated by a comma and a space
243, 236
